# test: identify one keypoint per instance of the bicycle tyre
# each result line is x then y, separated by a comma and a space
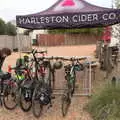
12, 91
22, 106
66, 101
35, 98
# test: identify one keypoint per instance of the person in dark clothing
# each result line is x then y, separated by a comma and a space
4, 52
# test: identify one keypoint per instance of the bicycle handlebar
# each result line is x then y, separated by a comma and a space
64, 58
35, 51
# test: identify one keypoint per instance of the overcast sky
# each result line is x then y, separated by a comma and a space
10, 8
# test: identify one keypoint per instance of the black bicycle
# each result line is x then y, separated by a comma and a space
30, 80
43, 90
8, 89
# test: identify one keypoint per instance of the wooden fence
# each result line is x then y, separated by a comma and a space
66, 39
20, 42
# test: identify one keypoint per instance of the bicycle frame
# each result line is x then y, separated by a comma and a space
72, 70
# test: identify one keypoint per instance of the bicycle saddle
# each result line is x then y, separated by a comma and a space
5, 76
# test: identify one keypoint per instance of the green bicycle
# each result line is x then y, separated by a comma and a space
70, 76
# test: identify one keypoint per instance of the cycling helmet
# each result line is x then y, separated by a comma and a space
58, 65
26, 58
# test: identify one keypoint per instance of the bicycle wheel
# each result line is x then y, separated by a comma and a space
10, 96
65, 103
25, 99
36, 106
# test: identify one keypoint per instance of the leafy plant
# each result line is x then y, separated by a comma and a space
7, 29
2, 27
96, 31
11, 29
105, 104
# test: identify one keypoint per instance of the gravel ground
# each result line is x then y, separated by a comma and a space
75, 112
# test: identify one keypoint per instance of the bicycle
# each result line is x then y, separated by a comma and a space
70, 76
28, 84
42, 92
25, 81
8, 88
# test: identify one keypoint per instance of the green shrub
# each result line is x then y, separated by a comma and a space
105, 104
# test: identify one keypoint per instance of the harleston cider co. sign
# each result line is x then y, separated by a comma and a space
74, 20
